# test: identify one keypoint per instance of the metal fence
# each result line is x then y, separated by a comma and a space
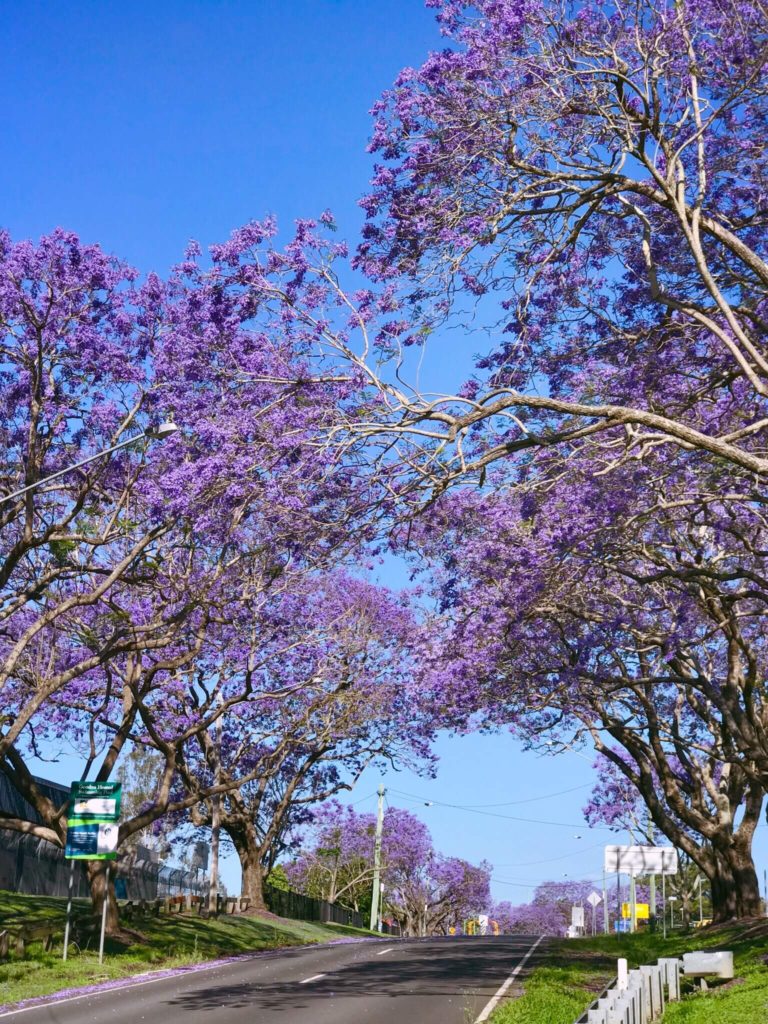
38, 868
34, 866
306, 908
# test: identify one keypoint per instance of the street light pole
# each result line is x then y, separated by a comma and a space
151, 434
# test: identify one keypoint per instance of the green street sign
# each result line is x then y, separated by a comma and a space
91, 840
91, 801
92, 829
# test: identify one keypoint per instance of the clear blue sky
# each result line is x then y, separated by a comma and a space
141, 125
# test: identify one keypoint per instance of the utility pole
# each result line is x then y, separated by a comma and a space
375, 916
652, 842
213, 894
701, 903
632, 903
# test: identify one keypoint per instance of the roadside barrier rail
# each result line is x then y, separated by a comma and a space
638, 996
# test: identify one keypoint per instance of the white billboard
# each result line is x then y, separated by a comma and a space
577, 917
641, 860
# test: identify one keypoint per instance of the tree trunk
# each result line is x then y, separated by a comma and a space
96, 871
735, 888
249, 854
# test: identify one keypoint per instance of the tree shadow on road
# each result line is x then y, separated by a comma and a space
454, 968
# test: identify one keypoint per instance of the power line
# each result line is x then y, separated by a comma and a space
506, 803
548, 881
361, 800
549, 860
494, 814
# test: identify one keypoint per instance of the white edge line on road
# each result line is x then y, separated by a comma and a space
314, 977
164, 975
51, 1000
491, 1004
383, 951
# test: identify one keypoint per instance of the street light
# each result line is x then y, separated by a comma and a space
158, 433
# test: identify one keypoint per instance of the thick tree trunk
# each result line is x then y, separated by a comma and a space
96, 871
735, 888
249, 853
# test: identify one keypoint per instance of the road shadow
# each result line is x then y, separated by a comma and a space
451, 967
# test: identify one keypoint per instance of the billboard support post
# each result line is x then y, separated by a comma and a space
104, 903
92, 834
69, 907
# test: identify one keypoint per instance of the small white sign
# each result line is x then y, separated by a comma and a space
95, 807
594, 898
577, 917
107, 841
641, 860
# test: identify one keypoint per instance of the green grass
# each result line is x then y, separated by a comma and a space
150, 943
578, 969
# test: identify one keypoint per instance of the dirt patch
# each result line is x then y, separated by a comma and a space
728, 984
754, 928
266, 915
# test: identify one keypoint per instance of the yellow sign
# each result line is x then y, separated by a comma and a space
642, 910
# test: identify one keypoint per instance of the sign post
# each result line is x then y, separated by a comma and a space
92, 833
69, 907
639, 860
593, 899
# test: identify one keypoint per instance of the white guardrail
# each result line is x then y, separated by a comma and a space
637, 996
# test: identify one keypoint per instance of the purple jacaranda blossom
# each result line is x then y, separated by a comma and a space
152, 593
603, 608
591, 216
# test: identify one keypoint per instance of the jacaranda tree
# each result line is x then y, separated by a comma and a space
584, 184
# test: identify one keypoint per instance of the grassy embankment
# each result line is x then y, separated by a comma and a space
560, 992
149, 943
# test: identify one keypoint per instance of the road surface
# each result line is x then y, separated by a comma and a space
426, 981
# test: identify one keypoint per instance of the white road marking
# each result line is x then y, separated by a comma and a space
491, 1004
313, 978
162, 976
383, 951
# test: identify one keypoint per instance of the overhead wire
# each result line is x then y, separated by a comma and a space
495, 814
548, 860
361, 799
508, 803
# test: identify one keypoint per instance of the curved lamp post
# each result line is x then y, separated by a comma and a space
158, 433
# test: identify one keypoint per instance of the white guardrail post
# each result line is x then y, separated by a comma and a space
671, 967
638, 996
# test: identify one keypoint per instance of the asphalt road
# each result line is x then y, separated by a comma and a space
433, 981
